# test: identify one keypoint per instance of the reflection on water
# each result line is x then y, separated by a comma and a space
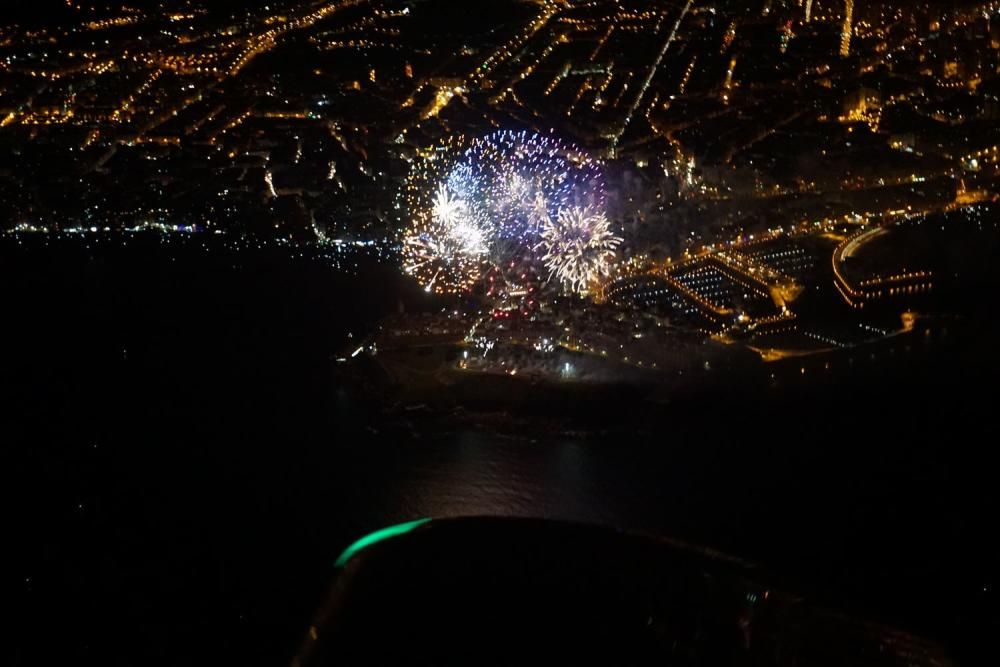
473, 474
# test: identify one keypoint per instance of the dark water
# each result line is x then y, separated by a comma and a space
184, 468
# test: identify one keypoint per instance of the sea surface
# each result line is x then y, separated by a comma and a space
183, 464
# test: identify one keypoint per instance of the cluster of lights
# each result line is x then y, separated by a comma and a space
111, 22
266, 41
549, 10
360, 44
652, 73
856, 296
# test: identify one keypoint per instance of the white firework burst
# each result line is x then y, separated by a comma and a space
441, 259
456, 219
448, 247
447, 208
579, 246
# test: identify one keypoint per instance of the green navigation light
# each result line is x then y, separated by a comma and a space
377, 536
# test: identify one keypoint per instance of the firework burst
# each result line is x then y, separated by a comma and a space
578, 247
460, 223
476, 210
444, 238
